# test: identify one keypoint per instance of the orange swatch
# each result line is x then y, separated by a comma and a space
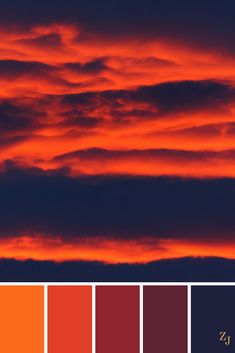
70, 319
21, 319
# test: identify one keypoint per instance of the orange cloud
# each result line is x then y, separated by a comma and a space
128, 63
109, 251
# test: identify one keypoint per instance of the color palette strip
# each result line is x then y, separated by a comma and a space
117, 318
93, 319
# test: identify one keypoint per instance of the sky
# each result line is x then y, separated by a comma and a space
117, 130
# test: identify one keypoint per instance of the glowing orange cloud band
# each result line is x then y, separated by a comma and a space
126, 65
109, 251
36, 72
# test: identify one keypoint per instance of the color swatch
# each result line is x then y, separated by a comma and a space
70, 319
117, 319
213, 319
21, 319
165, 319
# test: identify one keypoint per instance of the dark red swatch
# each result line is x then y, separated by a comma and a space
117, 319
165, 319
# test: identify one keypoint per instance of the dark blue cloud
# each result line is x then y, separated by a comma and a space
92, 67
121, 207
15, 118
186, 95
186, 156
209, 23
12, 69
171, 97
182, 270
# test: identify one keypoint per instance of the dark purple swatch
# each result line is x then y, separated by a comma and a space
165, 319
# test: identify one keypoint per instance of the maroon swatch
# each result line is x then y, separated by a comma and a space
117, 319
165, 319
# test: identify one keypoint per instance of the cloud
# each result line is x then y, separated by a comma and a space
152, 162
13, 69
16, 118
197, 23
180, 97
47, 41
160, 100
93, 67
124, 208
140, 129
88, 109
92, 91
182, 270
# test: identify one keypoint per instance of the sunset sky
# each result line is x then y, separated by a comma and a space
117, 130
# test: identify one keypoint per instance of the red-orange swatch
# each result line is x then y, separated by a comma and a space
21, 319
70, 319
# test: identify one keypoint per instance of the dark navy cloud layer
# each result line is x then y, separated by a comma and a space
182, 270
118, 207
204, 23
